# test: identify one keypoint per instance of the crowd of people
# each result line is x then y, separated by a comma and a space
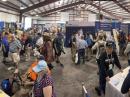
47, 47
84, 46
44, 47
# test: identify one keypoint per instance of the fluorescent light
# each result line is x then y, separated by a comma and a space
21, 7
4, 0
36, 15
58, 3
58, 12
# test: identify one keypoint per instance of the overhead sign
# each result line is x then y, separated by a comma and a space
106, 26
80, 24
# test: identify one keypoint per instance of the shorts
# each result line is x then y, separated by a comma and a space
15, 57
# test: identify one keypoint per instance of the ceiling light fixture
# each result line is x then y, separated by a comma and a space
4, 0
21, 7
58, 3
58, 12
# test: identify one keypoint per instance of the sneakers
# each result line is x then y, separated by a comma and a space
57, 61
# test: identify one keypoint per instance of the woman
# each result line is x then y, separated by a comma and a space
47, 51
43, 86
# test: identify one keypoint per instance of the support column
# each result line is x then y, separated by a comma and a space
20, 17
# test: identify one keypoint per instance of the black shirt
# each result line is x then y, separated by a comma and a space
107, 63
126, 84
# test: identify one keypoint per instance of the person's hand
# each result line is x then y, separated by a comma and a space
27, 83
16, 71
107, 78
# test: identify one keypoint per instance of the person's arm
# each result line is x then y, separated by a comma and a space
117, 63
95, 46
47, 91
126, 85
28, 83
86, 44
55, 47
127, 50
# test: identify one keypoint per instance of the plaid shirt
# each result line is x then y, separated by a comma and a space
14, 46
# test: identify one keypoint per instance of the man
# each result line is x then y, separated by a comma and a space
5, 46
58, 47
15, 47
108, 59
28, 47
126, 84
127, 52
81, 46
73, 46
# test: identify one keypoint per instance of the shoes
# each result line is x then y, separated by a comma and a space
62, 65
57, 62
98, 91
77, 64
3, 62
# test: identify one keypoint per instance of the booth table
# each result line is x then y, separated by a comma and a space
113, 87
3, 94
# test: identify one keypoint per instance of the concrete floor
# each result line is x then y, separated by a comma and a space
68, 80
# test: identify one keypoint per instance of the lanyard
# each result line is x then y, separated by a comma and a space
110, 59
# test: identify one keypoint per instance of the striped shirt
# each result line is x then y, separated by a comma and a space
14, 46
82, 44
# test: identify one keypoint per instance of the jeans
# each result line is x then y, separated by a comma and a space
98, 62
81, 55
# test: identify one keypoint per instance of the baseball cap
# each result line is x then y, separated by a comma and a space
41, 57
109, 44
42, 65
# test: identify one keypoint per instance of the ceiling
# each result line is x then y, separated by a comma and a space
119, 9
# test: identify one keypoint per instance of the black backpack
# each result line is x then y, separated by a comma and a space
101, 48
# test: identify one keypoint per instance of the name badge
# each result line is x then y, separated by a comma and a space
110, 67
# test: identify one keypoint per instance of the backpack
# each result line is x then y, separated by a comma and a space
73, 39
89, 41
31, 74
7, 87
101, 48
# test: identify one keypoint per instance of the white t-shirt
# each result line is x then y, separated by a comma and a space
39, 41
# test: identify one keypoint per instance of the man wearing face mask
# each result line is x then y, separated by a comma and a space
108, 59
